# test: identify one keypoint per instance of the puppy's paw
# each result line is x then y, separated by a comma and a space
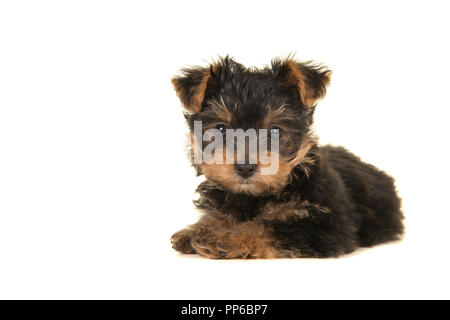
209, 248
181, 241
217, 245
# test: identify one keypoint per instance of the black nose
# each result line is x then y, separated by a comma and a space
245, 170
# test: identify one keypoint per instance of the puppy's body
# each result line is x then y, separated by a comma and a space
323, 202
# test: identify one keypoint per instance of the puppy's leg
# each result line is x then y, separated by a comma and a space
279, 231
222, 237
310, 230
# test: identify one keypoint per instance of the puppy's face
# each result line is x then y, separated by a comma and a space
279, 99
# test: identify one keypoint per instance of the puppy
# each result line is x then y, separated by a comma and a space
318, 201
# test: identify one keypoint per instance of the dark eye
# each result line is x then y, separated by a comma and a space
275, 129
222, 127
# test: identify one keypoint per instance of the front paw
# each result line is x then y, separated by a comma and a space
181, 241
217, 245
208, 247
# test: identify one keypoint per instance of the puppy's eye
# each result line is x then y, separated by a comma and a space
275, 129
222, 127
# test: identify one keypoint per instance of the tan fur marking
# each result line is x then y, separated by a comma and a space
199, 94
220, 110
223, 238
198, 91
272, 116
288, 210
284, 211
296, 77
225, 174
301, 153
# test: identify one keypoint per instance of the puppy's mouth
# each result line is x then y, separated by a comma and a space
246, 185
245, 188
246, 181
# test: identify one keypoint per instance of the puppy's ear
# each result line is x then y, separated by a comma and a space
191, 86
310, 79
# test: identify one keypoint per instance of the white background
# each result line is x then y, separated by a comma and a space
93, 173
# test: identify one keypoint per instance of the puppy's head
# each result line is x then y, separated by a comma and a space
277, 101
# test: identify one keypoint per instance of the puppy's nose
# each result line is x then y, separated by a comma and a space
245, 170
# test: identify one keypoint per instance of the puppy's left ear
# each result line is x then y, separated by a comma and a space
191, 86
310, 79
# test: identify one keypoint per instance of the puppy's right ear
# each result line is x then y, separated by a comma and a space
191, 85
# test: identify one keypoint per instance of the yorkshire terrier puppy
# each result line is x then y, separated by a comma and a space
321, 201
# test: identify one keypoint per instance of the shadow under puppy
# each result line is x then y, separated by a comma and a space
323, 201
